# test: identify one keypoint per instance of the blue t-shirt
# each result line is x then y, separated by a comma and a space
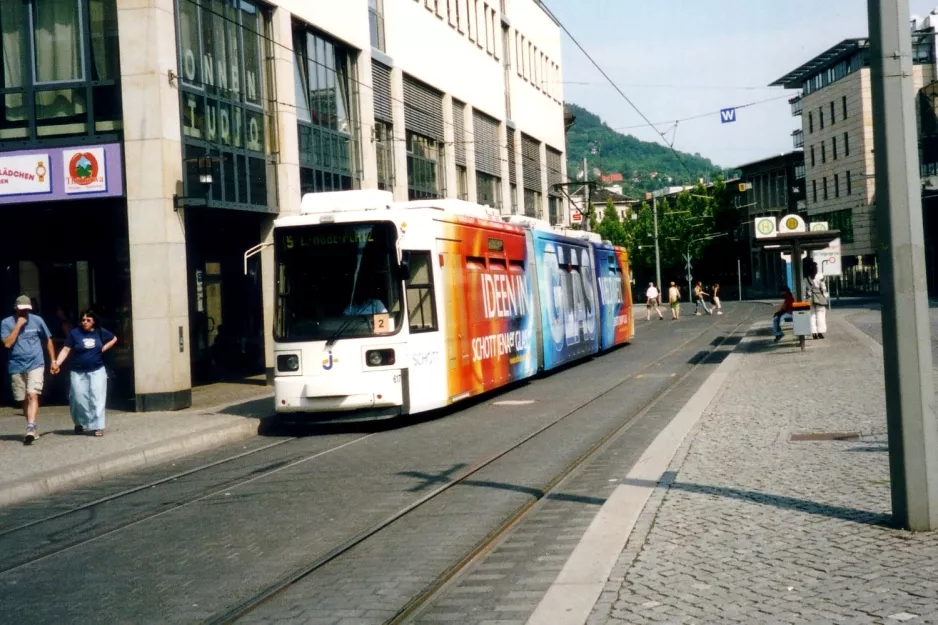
86, 354
26, 353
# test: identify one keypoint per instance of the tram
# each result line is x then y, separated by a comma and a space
385, 309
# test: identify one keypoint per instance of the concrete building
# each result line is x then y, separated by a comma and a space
145, 146
837, 136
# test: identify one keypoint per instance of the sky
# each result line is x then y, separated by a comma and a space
677, 59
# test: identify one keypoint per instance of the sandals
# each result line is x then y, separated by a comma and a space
99, 432
79, 429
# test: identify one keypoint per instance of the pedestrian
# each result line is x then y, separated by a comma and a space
815, 290
25, 334
785, 308
652, 301
716, 299
88, 377
699, 295
674, 300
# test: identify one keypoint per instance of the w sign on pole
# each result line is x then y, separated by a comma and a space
728, 115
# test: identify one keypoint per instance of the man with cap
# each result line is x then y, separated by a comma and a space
24, 334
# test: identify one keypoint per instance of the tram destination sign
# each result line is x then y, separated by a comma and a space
61, 174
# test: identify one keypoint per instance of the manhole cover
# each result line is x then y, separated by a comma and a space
825, 436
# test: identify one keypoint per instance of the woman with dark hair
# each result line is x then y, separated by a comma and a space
88, 377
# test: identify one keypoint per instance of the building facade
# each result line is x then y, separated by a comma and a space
145, 147
769, 186
837, 135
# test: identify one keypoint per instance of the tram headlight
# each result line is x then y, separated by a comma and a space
288, 363
379, 357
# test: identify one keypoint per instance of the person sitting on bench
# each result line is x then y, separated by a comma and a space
784, 309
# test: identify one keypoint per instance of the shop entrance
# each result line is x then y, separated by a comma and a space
68, 257
226, 306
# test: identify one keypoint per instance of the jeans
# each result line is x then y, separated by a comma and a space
777, 323
88, 397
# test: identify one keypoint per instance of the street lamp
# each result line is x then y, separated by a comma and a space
687, 258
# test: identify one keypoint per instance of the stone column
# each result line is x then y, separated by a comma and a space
156, 232
449, 154
366, 113
400, 135
544, 212
503, 156
289, 194
470, 126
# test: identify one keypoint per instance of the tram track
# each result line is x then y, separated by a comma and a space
416, 604
215, 489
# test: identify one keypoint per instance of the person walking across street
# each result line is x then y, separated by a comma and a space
716, 299
699, 295
785, 308
815, 290
674, 300
24, 335
651, 301
88, 377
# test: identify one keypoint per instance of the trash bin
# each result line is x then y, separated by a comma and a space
801, 321
801, 318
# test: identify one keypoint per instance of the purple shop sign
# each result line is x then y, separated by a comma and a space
52, 174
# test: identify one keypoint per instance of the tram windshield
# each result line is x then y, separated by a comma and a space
337, 281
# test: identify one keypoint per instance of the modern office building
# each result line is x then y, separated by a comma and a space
145, 146
837, 136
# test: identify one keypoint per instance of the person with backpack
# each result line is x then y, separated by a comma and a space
815, 291
88, 377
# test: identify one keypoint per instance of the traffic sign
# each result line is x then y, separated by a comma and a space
728, 115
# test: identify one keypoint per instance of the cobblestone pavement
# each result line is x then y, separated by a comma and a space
756, 528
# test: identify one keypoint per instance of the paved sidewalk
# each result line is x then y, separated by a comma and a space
221, 413
750, 526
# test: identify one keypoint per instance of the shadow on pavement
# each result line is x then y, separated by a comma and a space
429, 480
777, 501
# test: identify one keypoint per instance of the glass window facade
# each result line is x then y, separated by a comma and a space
59, 72
224, 92
326, 113
838, 220
488, 190
424, 170
384, 148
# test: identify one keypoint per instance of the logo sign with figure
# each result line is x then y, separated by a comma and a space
765, 227
24, 175
84, 170
728, 115
791, 223
828, 259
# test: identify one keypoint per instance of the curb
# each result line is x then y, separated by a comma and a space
135, 458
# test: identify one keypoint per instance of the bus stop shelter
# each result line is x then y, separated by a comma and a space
795, 243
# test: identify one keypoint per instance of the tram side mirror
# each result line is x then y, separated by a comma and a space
404, 270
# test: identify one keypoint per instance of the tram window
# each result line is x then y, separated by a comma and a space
498, 263
421, 304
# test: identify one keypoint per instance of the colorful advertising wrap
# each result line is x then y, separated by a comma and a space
61, 174
490, 335
568, 299
615, 295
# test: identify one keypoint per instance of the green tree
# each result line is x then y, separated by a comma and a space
594, 223
611, 228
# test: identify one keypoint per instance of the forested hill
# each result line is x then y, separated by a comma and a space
644, 165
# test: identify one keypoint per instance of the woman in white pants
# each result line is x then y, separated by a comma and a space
816, 293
